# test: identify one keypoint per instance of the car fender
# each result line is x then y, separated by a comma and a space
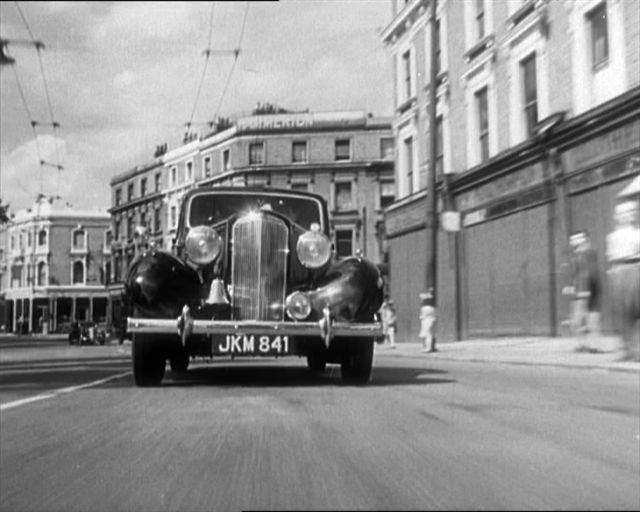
352, 288
158, 285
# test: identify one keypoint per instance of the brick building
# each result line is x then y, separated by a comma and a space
53, 267
347, 157
537, 130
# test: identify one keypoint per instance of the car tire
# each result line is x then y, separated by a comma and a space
179, 362
357, 362
148, 358
317, 363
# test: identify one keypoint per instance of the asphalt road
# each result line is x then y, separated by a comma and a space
75, 434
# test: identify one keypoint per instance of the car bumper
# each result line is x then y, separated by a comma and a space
325, 329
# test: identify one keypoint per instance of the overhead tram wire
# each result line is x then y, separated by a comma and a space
54, 124
235, 60
207, 54
32, 123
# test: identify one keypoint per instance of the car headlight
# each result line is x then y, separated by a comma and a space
314, 249
298, 306
202, 245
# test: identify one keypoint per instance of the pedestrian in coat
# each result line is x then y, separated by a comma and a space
623, 275
586, 287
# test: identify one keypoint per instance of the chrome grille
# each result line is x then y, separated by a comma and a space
259, 267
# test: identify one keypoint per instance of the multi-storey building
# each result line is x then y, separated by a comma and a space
53, 267
137, 217
347, 157
537, 130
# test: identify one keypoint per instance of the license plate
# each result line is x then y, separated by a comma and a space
249, 344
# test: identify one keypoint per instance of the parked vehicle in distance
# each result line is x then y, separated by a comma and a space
252, 273
86, 333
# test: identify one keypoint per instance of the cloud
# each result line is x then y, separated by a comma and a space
124, 80
157, 20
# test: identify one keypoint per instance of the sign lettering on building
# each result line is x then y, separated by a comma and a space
300, 121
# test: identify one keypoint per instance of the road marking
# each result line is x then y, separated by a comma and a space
56, 392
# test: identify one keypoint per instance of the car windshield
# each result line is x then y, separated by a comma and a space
211, 208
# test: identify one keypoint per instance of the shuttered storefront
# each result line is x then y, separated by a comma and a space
507, 285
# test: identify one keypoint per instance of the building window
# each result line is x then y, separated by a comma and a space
117, 267
482, 109
480, 28
174, 176
406, 67
344, 196
107, 273
28, 238
143, 219
256, 153
386, 148
20, 241
408, 158
207, 166
143, 187
530, 92
387, 193
173, 218
41, 274
189, 173
130, 192
108, 238
42, 237
300, 186
79, 239
13, 243
299, 151
158, 179
344, 242
130, 228
156, 220
118, 196
116, 229
599, 37
343, 149
78, 273
226, 160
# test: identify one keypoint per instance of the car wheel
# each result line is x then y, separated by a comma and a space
358, 361
179, 362
316, 362
148, 360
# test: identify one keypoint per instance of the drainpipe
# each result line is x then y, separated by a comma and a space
432, 204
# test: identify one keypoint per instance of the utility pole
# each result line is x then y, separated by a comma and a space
432, 203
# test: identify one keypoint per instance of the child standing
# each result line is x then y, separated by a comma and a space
427, 322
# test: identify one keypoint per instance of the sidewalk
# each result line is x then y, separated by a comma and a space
561, 352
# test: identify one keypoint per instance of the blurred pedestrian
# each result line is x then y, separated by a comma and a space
427, 322
388, 313
623, 258
586, 288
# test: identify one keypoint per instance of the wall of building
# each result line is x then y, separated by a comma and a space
510, 260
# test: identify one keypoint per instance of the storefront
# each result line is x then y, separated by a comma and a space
504, 271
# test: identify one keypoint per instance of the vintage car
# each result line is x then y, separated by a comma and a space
252, 273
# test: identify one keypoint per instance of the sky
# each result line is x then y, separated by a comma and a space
120, 78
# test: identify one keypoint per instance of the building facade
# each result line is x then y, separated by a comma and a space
346, 157
537, 130
53, 268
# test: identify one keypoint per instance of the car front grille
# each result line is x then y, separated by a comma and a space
259, 267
